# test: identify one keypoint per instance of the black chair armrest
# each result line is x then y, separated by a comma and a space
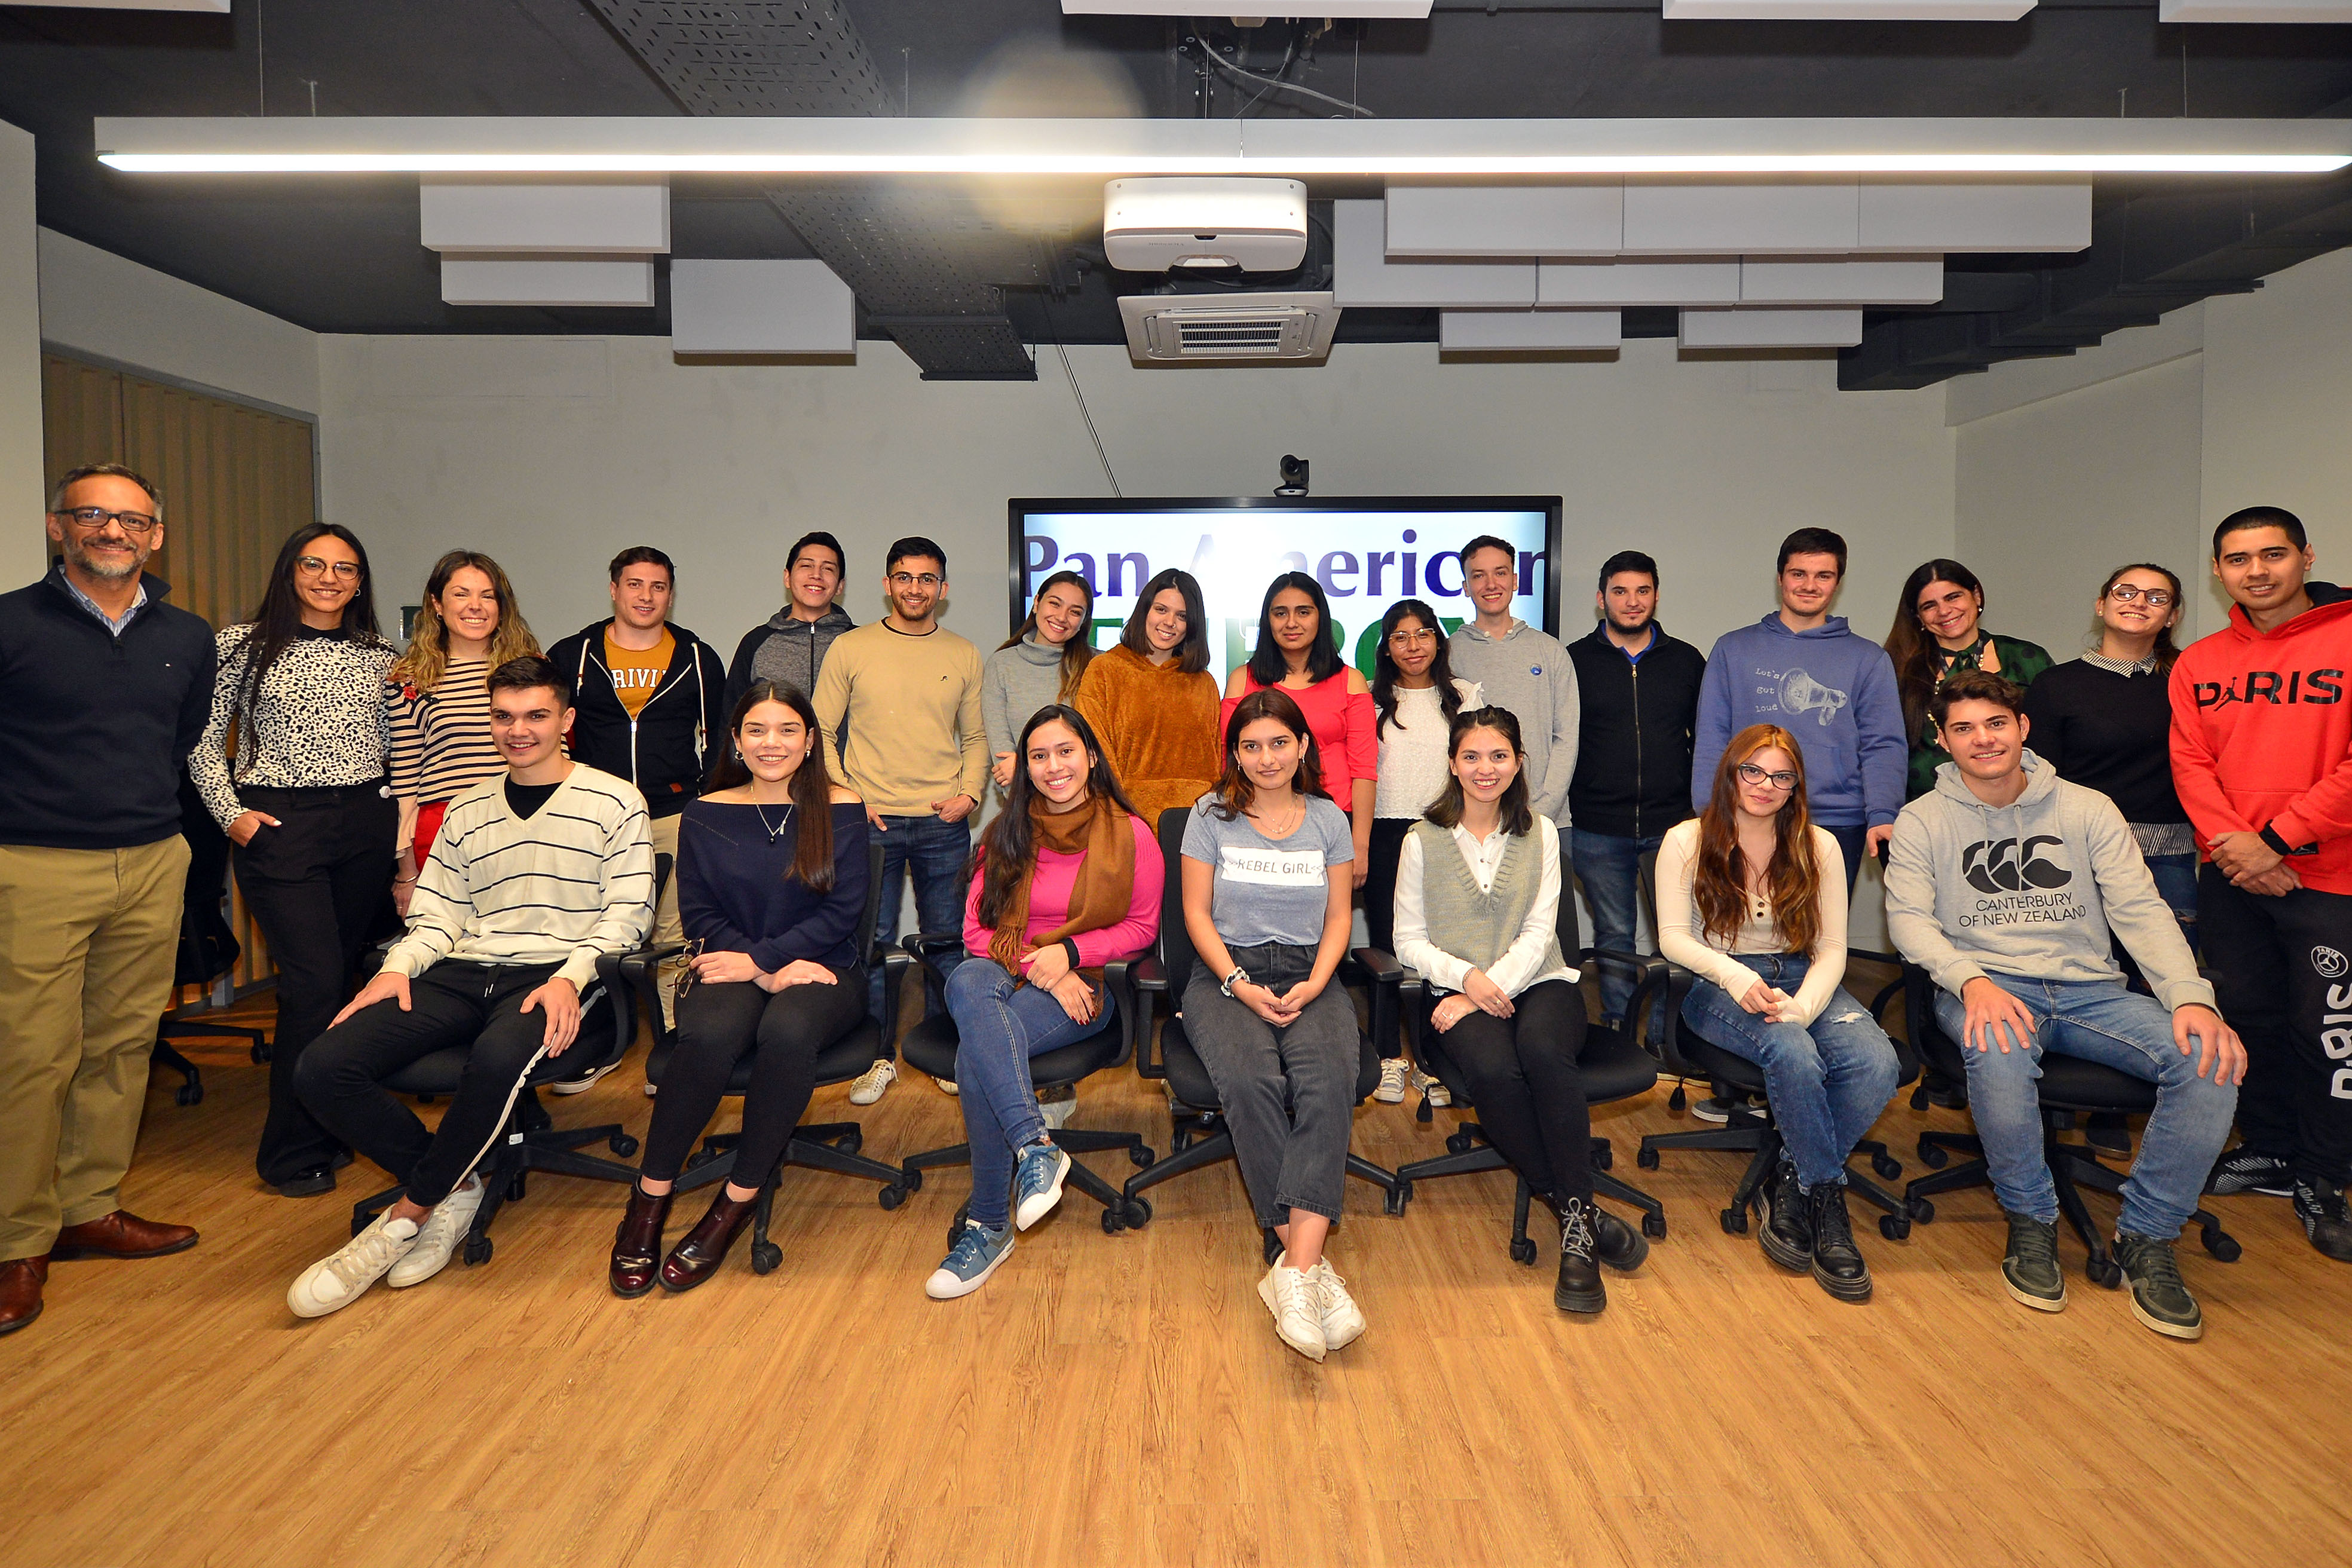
1134, 1006
1382, 967
927, 948
1145, 974
1678, 981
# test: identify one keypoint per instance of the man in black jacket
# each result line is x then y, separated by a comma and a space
1633, 760
650, 709
109, 689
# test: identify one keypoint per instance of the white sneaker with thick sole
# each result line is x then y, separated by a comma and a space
333, 1283
1291, 1295
581, 1085
1343, 1320
1431, 1089
438, 1238
873, 1081
1394, 1070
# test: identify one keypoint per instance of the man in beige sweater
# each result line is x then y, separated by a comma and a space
898, 700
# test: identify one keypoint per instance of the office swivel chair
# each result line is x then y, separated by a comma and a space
2069, 1086
531, 1140
1198, 1126
931, 1045
824, 1146
208, 949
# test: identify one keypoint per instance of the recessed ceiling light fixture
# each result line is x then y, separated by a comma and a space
1426, 149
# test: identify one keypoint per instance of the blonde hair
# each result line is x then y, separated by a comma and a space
427, 656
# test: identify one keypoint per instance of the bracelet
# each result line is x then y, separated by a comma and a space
1240, 976
404, 881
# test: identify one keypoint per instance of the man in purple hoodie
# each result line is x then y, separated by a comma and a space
1801, 668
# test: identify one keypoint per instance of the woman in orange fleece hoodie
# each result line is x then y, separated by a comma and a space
1151, 700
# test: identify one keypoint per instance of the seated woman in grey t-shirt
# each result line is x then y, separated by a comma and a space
1267, 889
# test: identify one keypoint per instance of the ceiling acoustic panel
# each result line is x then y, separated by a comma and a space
1506, 221
1847, 10
1805, 218
1842, 280
1527, 331
1687, 280
761, 307
545, 281
2249, 11
1362, 275
602, 215
1771, 328
1975, 215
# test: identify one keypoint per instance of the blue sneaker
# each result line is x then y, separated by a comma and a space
977, 1253
1037, 1183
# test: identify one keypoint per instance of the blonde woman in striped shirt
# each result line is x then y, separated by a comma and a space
468, 625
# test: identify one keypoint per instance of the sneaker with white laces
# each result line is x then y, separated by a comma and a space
333, 1283
1394, 1070
1057, 1112
443, 1230
1037, 1183
1297, 1303
1431, 1089
977, 1253
873, 1081
1343, 1320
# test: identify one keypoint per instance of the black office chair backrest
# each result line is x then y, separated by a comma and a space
872, 908
1176, 958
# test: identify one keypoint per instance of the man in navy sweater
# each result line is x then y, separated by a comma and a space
109, 689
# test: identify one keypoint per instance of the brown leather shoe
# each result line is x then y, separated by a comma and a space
21, 1279
698, 1257
120, 1235
637, 1245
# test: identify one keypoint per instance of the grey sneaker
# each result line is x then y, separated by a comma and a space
2030, 1269
1037, 1183
976, 1254
2244, 1169
2159, 1297
2321, 1209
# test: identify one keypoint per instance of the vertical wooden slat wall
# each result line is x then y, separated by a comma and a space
235, 481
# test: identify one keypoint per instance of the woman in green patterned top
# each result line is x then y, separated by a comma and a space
1938, 632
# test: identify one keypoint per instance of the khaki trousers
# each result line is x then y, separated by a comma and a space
89, 939
666, 927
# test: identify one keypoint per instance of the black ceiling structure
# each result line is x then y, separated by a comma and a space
965, 284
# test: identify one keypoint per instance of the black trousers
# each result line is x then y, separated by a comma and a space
2284, 978
475, 1007
315, 884
716, 1026
1524, 1082
1379, 888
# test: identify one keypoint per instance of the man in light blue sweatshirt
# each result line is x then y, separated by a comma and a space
1799, 667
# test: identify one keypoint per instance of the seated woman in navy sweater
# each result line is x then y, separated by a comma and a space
771, 881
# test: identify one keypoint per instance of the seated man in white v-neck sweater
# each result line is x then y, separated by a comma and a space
535, 877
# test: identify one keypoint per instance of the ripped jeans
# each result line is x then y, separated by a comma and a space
1827, 1080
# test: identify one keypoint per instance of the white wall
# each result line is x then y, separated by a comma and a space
2278, 404
23, 546
95, 302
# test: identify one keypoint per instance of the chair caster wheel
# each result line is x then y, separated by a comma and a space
765, 1256
1921, 1211
2222, 1245
2104, 1272
1523, 1249
1886, 1165
517, 1188
1399, 1195
190, 1094
1677, 1100
1653, 1226
1270, 1245
852, 1141
1424, 1114
1604, 1157
1457, 1142
1646, 1157
260, 1055
1735, 1222
620, 1144
1932, 1155
1134, 1214
1893, 1226
1110, 1221
890, 1197
477, 1251
1141, 1156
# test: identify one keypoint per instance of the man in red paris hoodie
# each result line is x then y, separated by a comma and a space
2261, 755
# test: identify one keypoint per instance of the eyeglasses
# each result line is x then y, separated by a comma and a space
1750, 773
686, 955
90, 518
1401, 637
2123, 594
907, 580
313, 567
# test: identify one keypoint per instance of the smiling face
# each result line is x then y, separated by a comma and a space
1629, 601
470, 606
527, 725
326, 575
1765, 781
1985, 738
1413, 647
1166, 621
641, 596
1060, 613
1486, 761
1490, 576
1295, 621
2260, 568
1058, 764
1807, 583
2135, 613
1948, 613
110, 550
774, 741
1268, 754
814, 580
915, 585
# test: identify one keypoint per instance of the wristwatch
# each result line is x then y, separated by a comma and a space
1237, 977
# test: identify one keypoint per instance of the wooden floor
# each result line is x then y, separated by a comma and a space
1123, 1400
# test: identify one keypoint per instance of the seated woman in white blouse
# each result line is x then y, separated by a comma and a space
1482, 869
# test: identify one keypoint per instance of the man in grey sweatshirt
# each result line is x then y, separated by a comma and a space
2009, 886
1521, 670
789, 647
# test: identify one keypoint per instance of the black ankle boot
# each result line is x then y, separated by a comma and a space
1837, 1261
637, 1245
1618, 1245
1580, 1289
1787, 1233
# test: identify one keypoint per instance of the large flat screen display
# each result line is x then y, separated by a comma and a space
1367, 553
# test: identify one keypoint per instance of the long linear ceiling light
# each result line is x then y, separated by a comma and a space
1438, 149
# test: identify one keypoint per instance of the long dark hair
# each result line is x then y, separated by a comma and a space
1009, 847
1192, 653
1720, 877
1385, 671
2165, 651
812, 784
1077, 653
1267, 665
1234, 791
1912, 650
279, 621
1517, 816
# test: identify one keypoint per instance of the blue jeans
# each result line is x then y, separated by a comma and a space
1827, 1081
2176, 884
938, 853
1000, 1024
1612, 870
2102, 1022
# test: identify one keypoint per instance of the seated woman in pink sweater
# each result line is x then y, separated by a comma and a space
1068, 879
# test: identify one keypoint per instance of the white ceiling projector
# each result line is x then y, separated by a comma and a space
1220, 225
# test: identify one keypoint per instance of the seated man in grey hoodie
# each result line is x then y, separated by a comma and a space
2009, 886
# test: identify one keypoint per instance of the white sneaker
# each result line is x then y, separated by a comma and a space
1291, 1295
333, 1283
947, 1086
1394, 1072
873, 1081
1343, 1320
582, 1085
1057, 1112
444, 1228
1431, 1089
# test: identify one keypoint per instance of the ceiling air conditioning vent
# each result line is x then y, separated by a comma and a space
1174, 329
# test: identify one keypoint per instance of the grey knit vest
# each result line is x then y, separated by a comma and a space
1473, 926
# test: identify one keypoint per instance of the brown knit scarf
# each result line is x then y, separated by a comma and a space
1106, 883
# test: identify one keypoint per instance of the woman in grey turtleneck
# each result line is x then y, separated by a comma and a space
1036, 666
